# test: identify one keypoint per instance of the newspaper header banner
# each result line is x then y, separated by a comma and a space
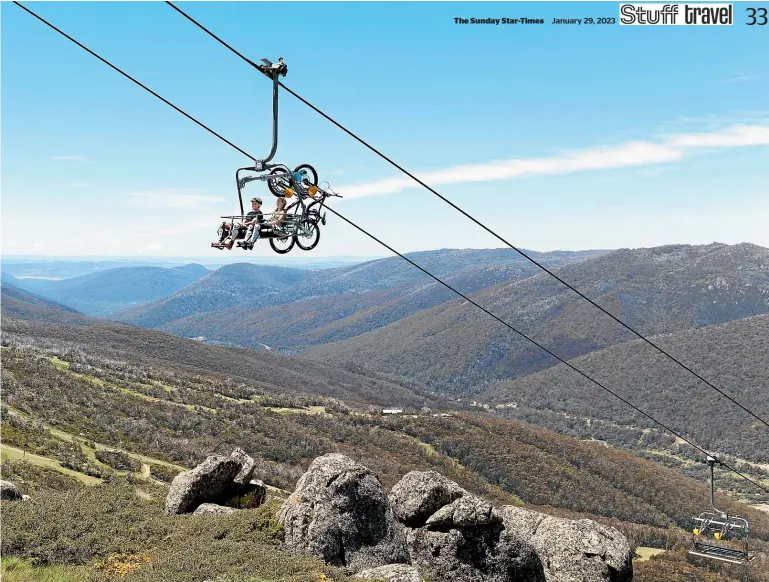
676, 14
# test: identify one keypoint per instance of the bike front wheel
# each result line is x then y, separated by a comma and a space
308, 241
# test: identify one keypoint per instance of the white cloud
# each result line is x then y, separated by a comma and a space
172, 198
625, 155
71, 159
741, 78
736, 136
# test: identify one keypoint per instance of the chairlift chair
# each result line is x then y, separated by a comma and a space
718, 535
301, 225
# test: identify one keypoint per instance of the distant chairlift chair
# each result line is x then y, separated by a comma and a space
727, 535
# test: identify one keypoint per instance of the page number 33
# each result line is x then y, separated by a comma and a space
756, 16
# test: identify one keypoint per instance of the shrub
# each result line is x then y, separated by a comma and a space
119, 461
163, 472
115, 532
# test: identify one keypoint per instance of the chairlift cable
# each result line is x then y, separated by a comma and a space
479, 223
585, 375
106, 62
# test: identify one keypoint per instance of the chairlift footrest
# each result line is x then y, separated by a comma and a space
719, 553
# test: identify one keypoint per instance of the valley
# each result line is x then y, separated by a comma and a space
93, 403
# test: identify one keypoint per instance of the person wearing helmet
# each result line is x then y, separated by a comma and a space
254, 221
252, 218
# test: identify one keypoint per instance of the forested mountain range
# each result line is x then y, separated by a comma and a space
457, 349
69, 378
252, 305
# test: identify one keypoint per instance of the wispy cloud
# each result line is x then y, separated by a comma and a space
151, 248
71, 159
742, 78
735, 136
625, 155
172, 198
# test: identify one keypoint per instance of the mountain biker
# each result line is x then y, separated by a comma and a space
253, 221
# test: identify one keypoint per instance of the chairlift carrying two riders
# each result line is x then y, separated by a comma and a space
296, 223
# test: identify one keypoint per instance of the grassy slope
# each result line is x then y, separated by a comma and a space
81, 392
489, 455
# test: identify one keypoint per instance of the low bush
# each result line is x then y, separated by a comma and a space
163, 472
118, 461
117, 534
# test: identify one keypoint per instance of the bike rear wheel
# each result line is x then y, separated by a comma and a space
279, 185
282, 245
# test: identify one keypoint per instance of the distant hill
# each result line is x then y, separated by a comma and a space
455, 348
106, 292
227, 287
733, 356
16, 302
26, 315
57, 269
333, 304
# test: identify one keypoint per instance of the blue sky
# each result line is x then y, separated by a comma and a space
558, 137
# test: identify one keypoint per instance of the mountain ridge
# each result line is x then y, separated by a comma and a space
105, 292
653, 290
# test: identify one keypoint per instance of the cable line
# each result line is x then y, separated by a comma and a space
465, 297
478, 222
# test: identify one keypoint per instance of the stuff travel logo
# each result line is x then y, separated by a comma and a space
677, 14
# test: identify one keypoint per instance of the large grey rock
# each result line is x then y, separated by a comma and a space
340, 512
9, 491
419, 494
467, 511
209, 482
247, 465
455, 536
392, 573
213, 509
487, 553
573, 551
214, 481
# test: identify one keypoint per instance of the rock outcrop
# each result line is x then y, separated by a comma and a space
392, 573
340, 512
573, 551
456, 536
218, 480
429, 527
420, 494
10, 492
213, 509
